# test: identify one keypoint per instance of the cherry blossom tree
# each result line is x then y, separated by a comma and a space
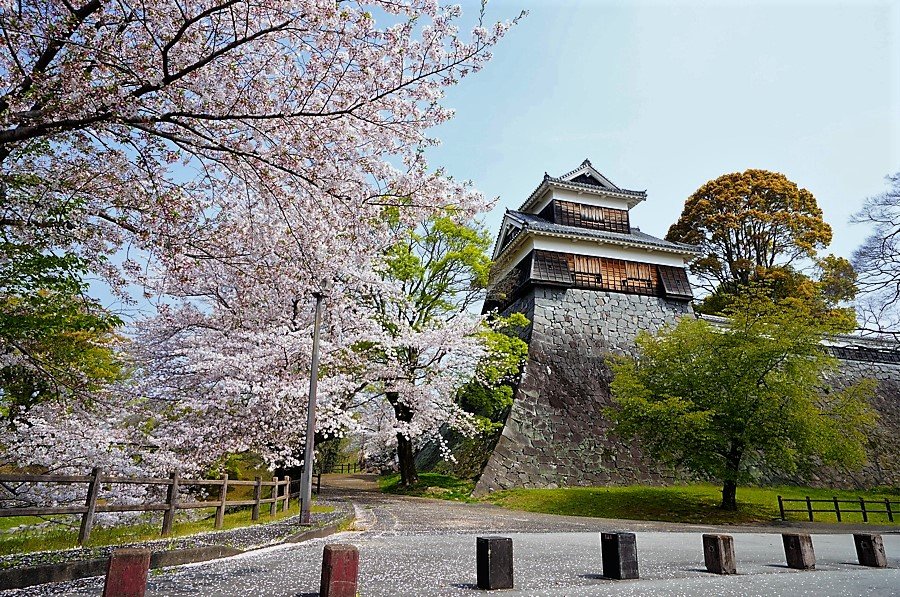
430, 346
144, 119
235, 153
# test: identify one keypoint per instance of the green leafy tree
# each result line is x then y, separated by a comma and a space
747, 221
834, 284
716, 399
489, 395
440, 269
56, 342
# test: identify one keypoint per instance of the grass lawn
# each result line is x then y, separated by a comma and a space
431, 485
64, 537
682, 503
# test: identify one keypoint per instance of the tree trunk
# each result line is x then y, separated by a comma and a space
732, 469
408, 475
405, 455
729, 499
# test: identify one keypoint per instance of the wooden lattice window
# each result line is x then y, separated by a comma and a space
614, 274
616, 220
592, 217
566, 213
552, 267
675, 282
639, 278
602, 273
589, 272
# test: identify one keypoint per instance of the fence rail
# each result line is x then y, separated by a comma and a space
94, 503
890, 507
346, 468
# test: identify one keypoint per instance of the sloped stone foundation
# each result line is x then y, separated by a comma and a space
556, 433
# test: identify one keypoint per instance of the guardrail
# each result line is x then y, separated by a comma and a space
866, 507
97, 478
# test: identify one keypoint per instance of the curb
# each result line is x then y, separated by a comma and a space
20, 578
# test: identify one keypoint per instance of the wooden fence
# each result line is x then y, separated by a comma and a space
865, 507
347, 468
94, 503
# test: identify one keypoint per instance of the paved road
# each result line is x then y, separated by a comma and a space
427, 547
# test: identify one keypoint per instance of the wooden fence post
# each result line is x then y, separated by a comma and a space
87, 519
287, 492
837, 508
223, 498
273, 507
171, 502
887, 508
862, 506
809, 508
781, 507
257, 495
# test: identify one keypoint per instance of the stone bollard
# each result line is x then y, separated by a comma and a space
870, 550
494, 562
619, 553
126, 573
340, 570
798, 549
718, 553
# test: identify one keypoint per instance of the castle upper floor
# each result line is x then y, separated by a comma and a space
575, 231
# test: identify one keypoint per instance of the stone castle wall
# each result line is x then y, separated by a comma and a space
556, 433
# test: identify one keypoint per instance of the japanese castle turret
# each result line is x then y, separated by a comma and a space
588, 280
571, 259
575, 231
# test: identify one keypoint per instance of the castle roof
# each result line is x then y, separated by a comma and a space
584, 178
635, 238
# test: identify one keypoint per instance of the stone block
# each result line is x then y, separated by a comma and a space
798, 550
126, 573
870, 550
494, 562
718, 554
340, 570
619, 554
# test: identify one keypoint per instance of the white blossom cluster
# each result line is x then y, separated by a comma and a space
237, 154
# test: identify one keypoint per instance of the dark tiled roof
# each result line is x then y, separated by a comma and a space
595, 186
537, 223
638, 195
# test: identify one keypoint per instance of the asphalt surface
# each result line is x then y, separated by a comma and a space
427, 547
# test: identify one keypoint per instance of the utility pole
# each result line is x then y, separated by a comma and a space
306, 477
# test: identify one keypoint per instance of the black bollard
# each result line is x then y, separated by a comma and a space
798, 550
619, 552
718, 553
494, 559
870, 550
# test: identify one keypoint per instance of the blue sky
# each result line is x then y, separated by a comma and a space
664, 96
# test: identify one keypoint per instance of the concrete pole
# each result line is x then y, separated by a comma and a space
306, 478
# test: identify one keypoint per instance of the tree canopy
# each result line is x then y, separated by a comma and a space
225, 157
56, 342
718, 399
747, 221
833, 285
431, 345
142, 121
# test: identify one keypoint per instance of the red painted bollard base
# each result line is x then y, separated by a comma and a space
126, 573
340, 570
